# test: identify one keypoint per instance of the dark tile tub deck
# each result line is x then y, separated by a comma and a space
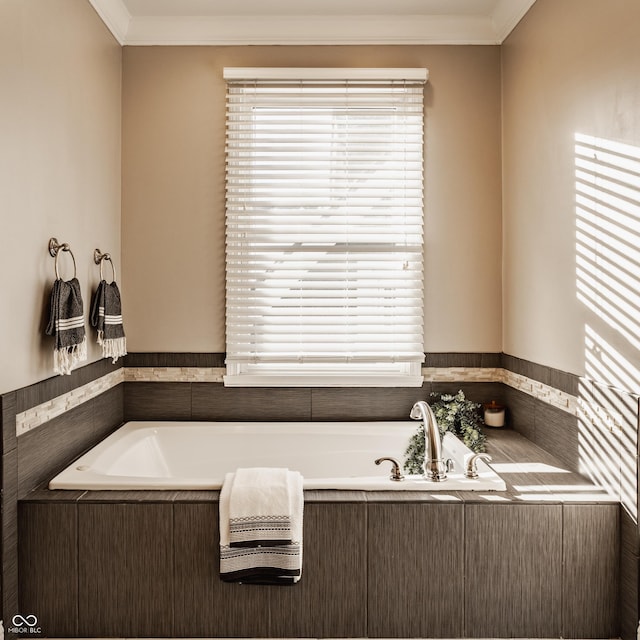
538, 560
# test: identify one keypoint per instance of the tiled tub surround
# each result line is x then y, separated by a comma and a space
537, 561
434, 376
192, 368
541, 404
29, 460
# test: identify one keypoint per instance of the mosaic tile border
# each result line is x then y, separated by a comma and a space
462, 374
216, 374
540, 391
174, 374
38, 415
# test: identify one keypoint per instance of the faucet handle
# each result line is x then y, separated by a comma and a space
472, 469
396, 474
449, 465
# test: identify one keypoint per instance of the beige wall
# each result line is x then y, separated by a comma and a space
60, 124
571, 67
173, 189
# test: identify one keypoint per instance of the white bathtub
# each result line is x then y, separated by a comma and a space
196, 455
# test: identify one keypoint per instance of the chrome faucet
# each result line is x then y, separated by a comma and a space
435, 468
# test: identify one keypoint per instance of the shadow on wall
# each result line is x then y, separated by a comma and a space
608, 284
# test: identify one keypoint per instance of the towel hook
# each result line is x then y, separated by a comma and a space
99, 258
55, 248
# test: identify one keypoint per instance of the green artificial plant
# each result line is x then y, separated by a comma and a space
453, 413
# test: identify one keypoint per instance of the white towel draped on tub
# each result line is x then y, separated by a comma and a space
261, 526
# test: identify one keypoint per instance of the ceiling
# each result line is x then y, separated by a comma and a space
246, 22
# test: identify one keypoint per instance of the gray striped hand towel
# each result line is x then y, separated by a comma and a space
66, 324
106, 317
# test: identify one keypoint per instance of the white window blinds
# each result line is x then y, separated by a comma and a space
324, 236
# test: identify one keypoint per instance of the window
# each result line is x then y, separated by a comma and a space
324, 229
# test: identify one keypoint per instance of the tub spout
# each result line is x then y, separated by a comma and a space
435, 468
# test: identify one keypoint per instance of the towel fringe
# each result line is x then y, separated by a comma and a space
67, 358
112, 348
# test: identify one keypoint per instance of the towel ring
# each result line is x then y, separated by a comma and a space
99, 258
55, 248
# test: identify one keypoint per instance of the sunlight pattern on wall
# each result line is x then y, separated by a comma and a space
608, 420
608, 284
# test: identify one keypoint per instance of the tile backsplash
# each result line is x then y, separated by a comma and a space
42, 413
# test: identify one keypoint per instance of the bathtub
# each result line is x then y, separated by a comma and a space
196, 455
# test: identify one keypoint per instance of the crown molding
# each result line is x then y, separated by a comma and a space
310, 30
229, 30
507, 15
116, 17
